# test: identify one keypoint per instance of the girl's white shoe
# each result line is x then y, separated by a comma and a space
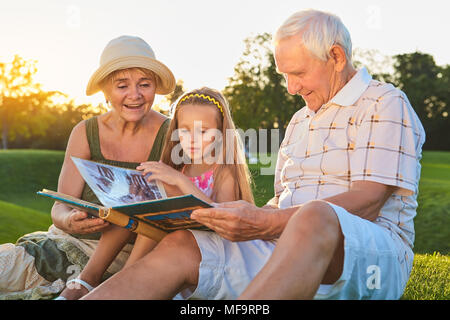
88, 287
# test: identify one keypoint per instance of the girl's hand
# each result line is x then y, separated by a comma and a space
161, 171
170, 176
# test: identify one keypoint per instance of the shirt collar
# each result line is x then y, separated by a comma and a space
349, 93
353, 89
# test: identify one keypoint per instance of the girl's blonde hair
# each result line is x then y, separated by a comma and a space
231, 159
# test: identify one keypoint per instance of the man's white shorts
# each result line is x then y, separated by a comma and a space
377, 263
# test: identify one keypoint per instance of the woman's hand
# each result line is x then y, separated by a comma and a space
163, 172
78, 222
239, 221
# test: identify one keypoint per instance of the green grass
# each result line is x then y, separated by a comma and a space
430, 278
24, 172
263, 185
432, 223
17, 221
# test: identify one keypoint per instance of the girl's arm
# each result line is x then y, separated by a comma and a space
168, 175
226, 190
188, 187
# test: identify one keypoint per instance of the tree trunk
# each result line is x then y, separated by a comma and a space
5, 136
4, 126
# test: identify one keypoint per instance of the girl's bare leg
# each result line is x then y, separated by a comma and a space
142, 246
111, 242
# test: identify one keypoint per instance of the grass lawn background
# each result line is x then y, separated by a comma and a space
24, 172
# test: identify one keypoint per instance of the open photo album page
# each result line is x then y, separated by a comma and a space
115, 186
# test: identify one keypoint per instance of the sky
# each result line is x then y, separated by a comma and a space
200, 41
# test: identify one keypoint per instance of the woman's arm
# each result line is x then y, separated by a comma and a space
71, 183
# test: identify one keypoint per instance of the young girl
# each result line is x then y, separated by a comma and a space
202, 156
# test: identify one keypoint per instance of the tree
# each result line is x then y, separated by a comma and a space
380, 66
61, 120
427, 87
67, 116
169, 99
21, 101
176, 93
257, 93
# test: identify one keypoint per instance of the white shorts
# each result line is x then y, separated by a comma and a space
376, 263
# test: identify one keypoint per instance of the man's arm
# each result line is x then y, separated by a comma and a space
242, 221
364, 199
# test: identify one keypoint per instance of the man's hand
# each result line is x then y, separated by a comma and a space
239, 221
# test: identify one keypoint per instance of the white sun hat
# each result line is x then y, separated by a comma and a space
131, 52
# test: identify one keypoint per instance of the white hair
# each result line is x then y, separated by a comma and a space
319, 31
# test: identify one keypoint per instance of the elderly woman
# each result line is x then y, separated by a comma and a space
130, 133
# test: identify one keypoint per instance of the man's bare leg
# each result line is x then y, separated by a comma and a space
169, 268
309, 252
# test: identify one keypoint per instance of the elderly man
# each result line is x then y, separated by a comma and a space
356, 146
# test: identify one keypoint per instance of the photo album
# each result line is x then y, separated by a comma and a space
130, 201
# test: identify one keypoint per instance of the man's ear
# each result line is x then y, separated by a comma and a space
337, 54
